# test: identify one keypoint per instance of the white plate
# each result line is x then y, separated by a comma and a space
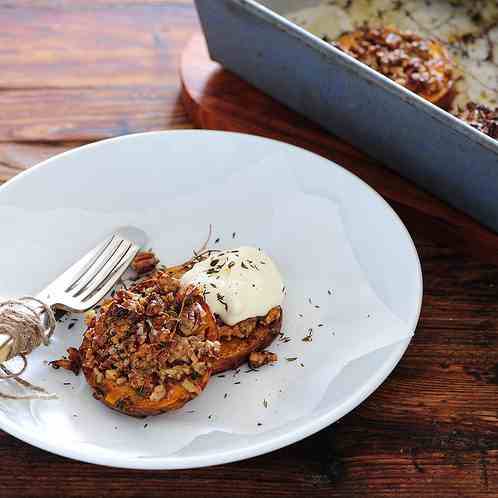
325, 228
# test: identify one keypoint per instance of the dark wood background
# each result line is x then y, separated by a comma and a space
75, 71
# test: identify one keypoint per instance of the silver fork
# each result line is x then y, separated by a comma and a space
86, 282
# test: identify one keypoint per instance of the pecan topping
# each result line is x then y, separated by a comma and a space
421, 65
245, 328
259, 358
482, 118
144, 262
151, 335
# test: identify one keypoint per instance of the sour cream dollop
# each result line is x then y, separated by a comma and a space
238, 283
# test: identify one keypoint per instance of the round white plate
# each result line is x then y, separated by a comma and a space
351, 271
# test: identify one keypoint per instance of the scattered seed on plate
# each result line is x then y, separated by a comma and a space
309, 336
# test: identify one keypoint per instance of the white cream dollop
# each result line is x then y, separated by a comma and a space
238, 283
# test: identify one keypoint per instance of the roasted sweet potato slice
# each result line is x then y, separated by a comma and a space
420, 64
238, 341
152, 347
236, 350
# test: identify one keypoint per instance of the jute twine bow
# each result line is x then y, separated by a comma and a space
29, 323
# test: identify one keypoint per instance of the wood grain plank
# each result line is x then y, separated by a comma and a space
86, 5
15, 158
135, 44
88, 114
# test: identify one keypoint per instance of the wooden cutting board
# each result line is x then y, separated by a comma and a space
218, 99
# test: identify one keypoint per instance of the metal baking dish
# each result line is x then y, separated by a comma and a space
420, 141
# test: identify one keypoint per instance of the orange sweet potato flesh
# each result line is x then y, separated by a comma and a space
127, 400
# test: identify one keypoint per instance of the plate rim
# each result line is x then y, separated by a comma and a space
271, 443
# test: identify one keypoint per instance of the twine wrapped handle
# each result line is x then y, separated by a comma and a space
29, 322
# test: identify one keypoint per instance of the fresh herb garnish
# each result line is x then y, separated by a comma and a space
309, 336
221, 298
120, 404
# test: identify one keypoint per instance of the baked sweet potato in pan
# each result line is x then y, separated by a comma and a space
420, 64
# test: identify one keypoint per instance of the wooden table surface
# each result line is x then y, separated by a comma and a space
76, 71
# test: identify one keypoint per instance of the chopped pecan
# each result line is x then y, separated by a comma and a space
259, 358
72, 363
144, 262
242, 329
272, 316
482, 118
158, 393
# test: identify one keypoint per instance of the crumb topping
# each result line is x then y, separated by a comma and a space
258, 359
152, 334
245, 328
